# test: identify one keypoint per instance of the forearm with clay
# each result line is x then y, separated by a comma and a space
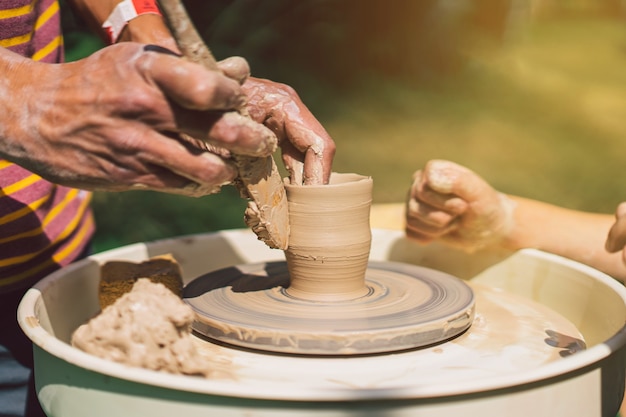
106, 122
16, 90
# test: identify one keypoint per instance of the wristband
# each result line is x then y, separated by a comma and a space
123, 13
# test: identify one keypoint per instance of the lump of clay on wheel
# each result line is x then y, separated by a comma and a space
148, 327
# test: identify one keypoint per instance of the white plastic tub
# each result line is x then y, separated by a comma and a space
71, 383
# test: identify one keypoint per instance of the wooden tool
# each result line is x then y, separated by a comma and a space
259, 179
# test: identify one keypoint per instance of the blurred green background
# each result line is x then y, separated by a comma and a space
531, 94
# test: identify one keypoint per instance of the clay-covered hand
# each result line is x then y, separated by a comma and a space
616, 241
307, 149
113, 121
452, 203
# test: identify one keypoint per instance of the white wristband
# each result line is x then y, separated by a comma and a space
124, 12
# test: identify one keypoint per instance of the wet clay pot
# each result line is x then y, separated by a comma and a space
330, 239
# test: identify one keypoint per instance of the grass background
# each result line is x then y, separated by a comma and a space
530, 94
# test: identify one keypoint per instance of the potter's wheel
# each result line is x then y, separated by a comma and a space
404, 307
531, 310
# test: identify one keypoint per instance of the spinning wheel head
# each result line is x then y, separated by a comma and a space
403, 307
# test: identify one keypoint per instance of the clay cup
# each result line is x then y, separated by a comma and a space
330, 238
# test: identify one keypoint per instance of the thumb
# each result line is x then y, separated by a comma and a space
616, 239
236, 68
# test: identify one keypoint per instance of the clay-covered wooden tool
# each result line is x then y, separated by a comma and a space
258, 179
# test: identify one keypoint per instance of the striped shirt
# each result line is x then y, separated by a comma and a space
43, 226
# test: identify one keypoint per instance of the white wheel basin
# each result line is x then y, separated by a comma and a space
589, 383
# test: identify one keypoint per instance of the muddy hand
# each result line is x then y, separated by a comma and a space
307, 149
112, 122
616, 240
449, 202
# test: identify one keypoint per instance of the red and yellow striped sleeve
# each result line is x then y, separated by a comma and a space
43, 226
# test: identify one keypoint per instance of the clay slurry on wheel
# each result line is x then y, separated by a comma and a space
405, 307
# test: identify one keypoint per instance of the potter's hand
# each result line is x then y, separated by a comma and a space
616, 241
112, 121
449, 202
307, 149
